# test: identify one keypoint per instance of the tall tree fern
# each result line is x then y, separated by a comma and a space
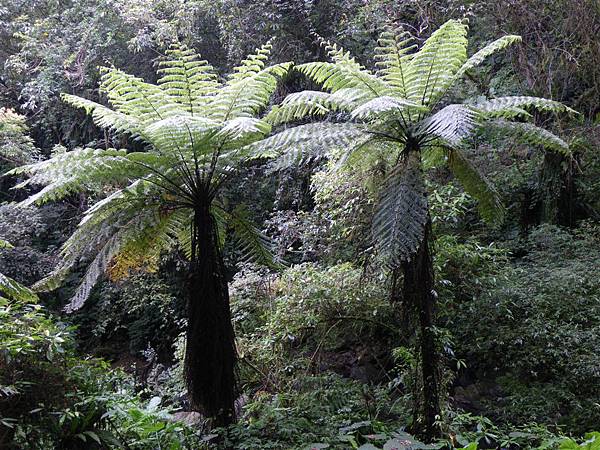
403, 107
196, 130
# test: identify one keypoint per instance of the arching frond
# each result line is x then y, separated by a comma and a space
249, 87
481, 55
187, 79
86, 169
105, 117
432, 69
132, 96
402, 211
12, 290
252, 243
298, 106
478, 186
530, 134
242, 130
394, 53
504, 107
385, 105
303, 142
334, 77
451, 124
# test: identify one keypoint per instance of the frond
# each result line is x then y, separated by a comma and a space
452, 124
12, 290
143, 251
247, 93
334, 77
530, 134
394, 53
105, 228
480, 56
187, 79
303, 142
242, 131
506, 107
105, 117
179, 134
478, 186
299, 105
85, 169
339, 55
402, 211
132, 96
432, 69
255, 246
386, 106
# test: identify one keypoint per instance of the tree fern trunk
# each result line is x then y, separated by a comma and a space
557, 189
210, 356
419, 293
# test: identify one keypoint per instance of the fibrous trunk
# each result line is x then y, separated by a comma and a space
419, 294
210, 355
557, 189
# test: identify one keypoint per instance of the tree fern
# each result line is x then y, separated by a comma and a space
403, 103
404, 109
197, 131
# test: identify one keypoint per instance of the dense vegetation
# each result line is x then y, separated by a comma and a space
380, 230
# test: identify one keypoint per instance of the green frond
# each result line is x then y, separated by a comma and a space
402, 211
179, 134
478, 186
339, 55
431, 70
334, 77
386, 106
105, 117
451, 124
85, 169
481, 55
242, 131
187, 79
297, 144
12, 290
530, 134
299, 105
506, 107
253, 64
132, 96
393, 54
252, 243
247, 94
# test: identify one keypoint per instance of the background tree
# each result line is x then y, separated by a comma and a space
402, 113
195, 130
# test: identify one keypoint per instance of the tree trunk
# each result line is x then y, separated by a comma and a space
557, 190
210, 354
418, 291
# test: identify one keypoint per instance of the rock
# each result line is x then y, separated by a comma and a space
191, 418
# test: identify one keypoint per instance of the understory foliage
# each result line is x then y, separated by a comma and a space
51, 398
541, 313
316, 183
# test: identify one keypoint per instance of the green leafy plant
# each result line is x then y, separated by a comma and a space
403, 112
196, 130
